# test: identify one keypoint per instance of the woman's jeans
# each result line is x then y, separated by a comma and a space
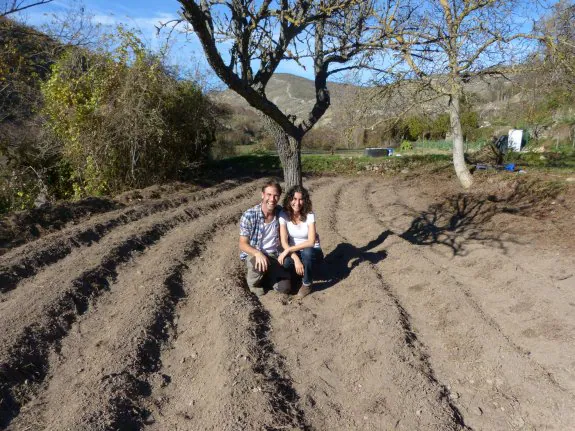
311, 258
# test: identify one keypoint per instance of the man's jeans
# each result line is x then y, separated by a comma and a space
311, 258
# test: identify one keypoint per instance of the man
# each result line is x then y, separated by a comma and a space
260, 243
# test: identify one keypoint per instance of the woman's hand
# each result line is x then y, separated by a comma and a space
298, 265
282, 256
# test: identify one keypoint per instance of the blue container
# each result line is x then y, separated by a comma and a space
510, 167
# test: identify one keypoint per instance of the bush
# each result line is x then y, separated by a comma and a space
123, 119
406, 146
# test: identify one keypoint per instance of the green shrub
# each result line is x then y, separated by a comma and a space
123, 119
406, 146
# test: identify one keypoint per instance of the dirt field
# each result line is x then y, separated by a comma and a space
436, 311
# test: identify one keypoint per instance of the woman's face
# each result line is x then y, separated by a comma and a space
297, 202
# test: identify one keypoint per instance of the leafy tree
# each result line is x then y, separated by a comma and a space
124, 119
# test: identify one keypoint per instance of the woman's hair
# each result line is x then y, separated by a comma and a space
306, 208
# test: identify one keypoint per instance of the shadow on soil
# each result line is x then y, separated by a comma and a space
345, 257
464, 218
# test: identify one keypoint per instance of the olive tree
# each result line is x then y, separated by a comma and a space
245, 41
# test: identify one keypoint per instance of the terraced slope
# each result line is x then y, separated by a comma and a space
139, 318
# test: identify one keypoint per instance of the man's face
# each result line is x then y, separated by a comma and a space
270, 198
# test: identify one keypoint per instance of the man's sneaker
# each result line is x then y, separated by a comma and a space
304, 290
258, 291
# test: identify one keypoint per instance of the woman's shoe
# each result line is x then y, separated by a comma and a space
304, 291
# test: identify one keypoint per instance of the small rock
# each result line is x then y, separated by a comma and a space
183, 360
570, 180
454, 395
418, 413
518, 422
405, 171
478, 411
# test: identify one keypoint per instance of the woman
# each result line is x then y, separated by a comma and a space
299, 237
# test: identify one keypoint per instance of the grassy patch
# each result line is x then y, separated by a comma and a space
560, 160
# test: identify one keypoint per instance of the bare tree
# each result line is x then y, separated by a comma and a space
75, 26
450, 41
8, 7
559, 31
260, 35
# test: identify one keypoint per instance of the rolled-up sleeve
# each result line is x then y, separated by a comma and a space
246, 225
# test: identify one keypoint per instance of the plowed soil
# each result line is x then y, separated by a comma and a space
435, 310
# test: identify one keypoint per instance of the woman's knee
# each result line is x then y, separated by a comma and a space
288, 263
307, 253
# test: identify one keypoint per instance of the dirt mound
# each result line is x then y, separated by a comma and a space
436, 310
19, 228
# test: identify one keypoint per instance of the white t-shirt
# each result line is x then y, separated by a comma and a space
297, 233
270, 239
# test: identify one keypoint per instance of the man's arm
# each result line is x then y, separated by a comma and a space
261, 259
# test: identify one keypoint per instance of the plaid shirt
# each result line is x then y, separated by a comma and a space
252, 226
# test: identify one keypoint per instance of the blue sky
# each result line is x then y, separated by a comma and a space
142, 15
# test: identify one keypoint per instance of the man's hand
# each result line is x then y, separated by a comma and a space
298, 265
261, 262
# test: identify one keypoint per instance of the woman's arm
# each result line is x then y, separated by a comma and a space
284, 236
285, 243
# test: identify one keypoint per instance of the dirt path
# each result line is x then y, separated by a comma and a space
434, 312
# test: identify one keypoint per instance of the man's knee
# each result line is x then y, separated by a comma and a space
253, 276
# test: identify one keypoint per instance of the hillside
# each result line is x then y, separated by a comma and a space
518, 99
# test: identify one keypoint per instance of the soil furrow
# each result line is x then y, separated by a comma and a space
28, 260
488, 372
348, 347
30, 335
434, 310
118, 350
224, 370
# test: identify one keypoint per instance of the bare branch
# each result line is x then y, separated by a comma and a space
12, 6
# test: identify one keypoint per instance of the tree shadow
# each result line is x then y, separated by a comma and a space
454, 224
340, 262
464, 218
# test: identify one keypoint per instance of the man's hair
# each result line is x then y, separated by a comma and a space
306, 208
272, 183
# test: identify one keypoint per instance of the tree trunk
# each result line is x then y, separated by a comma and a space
290, 157
289, 152
458, 152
